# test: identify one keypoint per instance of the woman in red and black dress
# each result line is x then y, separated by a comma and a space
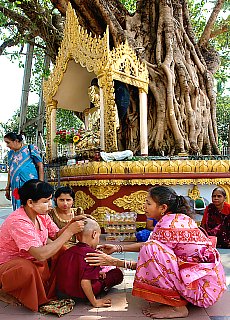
216, 219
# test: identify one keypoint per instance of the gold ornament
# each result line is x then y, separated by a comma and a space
83, 200
133, 202
194, 193
99, 214
103, 192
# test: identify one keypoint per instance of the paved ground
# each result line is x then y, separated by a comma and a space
124, 305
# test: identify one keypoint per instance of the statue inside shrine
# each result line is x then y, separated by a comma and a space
92, 114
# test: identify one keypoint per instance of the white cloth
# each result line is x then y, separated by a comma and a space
118, 155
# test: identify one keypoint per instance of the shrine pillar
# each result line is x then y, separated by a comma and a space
102, 121
143, 122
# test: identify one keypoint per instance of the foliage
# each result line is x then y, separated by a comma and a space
13, 124
223, 120
66, 119
199, 12
130, 5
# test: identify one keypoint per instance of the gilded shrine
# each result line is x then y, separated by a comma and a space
116, 186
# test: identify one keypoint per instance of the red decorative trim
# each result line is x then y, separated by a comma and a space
152, 293
121, 176
183, 235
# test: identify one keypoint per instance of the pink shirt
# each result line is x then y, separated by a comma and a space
18, 234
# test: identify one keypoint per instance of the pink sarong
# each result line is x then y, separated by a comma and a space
178, 265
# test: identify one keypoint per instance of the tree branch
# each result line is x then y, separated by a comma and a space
211, 21
9, 43
23, 21
217, 32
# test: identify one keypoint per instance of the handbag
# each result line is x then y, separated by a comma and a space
58, 307
31, 156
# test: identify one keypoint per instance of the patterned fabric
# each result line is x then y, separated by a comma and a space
178, 265
22, 169
18, 234
58, 307
217, 224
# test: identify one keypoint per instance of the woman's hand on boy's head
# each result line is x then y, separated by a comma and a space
76, 226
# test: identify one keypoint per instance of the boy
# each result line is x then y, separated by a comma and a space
76, 278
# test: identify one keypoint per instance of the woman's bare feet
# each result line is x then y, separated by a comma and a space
163, 311
7, 298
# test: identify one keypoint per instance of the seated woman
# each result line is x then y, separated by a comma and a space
216, 219
64, 212
28, 239
177, 265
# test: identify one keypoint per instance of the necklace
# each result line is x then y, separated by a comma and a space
63, 220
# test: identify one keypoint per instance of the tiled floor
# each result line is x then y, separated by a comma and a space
124, 305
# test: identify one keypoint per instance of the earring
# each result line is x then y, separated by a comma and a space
162, 213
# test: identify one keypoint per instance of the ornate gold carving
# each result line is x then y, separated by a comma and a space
169, 166
140, 224
103, 192
127, 68
83, 200
49, 107
133, 202
91, 52
194, 193
147, 182
99, 214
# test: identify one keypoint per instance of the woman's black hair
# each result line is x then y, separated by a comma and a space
13, 136
222, 191
34, 189
166, 195
65, 190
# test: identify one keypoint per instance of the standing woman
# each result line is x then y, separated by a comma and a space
21, 161
177, 265
29, 244
216, 219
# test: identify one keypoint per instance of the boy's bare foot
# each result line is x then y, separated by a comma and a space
163, 311
7, 298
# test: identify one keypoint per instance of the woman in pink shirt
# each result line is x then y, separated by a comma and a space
28, 238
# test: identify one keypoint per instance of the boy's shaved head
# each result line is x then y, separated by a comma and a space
90, 225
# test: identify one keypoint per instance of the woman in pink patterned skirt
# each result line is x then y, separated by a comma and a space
176, 265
